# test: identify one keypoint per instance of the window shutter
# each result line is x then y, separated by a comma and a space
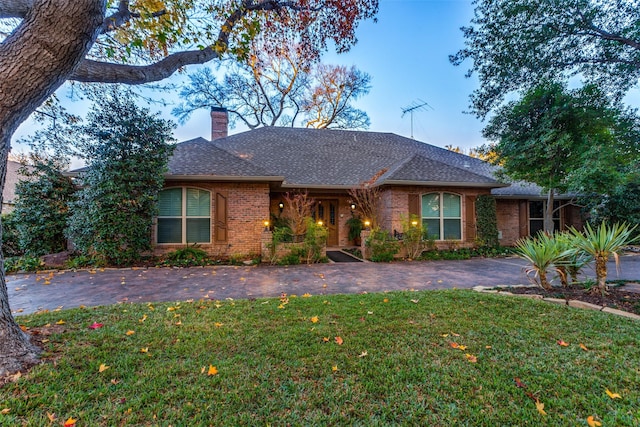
414, 205
220, 225
470, 213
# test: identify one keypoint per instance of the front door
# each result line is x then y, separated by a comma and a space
326, 210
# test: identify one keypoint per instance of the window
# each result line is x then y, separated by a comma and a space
536, 216
184, 216
441, 215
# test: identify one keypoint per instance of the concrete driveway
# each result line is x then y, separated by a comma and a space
29, 293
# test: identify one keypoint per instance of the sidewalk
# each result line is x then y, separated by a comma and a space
29, 293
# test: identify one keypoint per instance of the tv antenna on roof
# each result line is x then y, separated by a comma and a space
418, 105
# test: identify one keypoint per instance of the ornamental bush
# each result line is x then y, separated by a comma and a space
126, 149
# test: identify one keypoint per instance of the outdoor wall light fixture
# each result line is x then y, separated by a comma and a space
266, 225
414, 223
281, 206
353, 207
367, 224
320, 223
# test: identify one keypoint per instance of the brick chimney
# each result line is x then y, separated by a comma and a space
219, 123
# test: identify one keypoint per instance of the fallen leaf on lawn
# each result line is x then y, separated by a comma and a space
584, 347
519, 383
212, 370
444, 335
592, 422
70, 422
462, 347
115, 381
415, 301
454, 334
363, 354
130, 332
471, 358
60, 322
540, 407
24, 328
171, 308
306, 295
454, 344
144, 317
562, 343
334, 368
96, 325
5, 411
103, 367
178, 323
314, 319
488, 347
52, 417
144, 350
325, 339
613, 395
339, 340
385, 300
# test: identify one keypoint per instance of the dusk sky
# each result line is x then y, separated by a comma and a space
407, 55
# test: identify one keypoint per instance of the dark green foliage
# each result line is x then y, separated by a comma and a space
621, 204
382, 246
513, 45
355, 225
486, 221
187, 257
42, 206
565, 141
22, 263
10, 240
126, 149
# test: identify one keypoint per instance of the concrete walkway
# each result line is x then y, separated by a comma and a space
29, 293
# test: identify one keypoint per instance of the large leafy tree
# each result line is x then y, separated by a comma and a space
564, 140
42, 207
53, 41
282, 87
514, 44
126, 149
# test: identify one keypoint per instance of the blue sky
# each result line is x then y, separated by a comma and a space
406, 53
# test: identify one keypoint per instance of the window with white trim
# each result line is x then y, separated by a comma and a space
442, 216
184, 216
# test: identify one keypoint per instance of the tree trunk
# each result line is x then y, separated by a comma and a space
601, 273
35, 60
543, 280
548, 214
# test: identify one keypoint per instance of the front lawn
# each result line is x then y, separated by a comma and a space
412, 358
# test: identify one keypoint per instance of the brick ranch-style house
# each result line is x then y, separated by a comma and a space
219, 193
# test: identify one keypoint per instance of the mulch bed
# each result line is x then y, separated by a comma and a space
616, 296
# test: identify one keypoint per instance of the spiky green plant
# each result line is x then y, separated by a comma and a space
542, 252
574, 261
601, 243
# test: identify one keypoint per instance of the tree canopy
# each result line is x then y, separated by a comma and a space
137, 42
515, 44
565, 140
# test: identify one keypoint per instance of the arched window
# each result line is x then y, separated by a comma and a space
442, 216
184, 216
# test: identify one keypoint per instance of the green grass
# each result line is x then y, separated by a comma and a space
275, 368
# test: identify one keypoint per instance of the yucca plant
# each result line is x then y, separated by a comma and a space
574, 261
542, 252
601, 243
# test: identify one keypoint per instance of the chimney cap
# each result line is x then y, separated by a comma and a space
220, 109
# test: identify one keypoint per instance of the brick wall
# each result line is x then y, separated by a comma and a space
509, 223
247, 209
394, 206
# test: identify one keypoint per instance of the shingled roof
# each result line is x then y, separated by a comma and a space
199, 158
324, 158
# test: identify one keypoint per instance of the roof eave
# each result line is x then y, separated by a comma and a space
446, 183
227, 178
